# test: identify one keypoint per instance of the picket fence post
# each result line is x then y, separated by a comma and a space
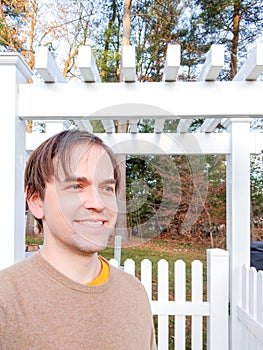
218, 298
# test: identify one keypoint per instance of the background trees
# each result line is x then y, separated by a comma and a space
13, 16
150, 25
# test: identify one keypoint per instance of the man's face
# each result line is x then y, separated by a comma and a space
80, 210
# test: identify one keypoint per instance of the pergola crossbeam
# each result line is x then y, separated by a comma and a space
108, 125
213, 64
128, 64
253, 66
133, 126
84, 125
87, 65
159, 125
47, 67
173, 60
136, 101
212, 67
209, 125
184, 125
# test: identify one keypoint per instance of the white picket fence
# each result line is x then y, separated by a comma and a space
250, 312
215, 308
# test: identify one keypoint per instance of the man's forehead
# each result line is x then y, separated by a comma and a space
83, 158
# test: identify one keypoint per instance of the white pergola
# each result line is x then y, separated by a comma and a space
233, 103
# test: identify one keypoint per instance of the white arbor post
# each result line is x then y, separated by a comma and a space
12, 148
238, 215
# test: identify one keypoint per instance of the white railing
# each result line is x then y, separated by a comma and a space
215, 307
250, 312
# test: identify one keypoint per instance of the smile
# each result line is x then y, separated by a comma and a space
90, 223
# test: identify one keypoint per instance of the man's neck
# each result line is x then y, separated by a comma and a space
78, 266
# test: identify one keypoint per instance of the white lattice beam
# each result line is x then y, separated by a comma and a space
172, 64
133, 126
135, 101
108, 125
253, 66
170, 143
128, 64
159, 125
47, 67
211, 68
84, 125
87, 65
184, 125
213, 64
209, 125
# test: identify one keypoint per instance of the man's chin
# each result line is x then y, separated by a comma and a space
93, 245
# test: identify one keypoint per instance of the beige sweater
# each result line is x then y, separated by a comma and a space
42, 309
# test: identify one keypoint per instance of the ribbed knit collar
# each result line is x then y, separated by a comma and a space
48, 269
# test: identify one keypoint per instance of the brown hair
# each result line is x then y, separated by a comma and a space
40, 168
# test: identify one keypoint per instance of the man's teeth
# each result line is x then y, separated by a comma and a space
91, 223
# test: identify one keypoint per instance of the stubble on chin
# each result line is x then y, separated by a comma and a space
91, 245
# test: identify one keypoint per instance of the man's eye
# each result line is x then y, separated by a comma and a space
75, 186
109, 189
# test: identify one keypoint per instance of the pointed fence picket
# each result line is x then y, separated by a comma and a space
215, 308
250, 312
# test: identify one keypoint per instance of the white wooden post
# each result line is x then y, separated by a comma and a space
238, 215
117, 249
218, 298
12, 149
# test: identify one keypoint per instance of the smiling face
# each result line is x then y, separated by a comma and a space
79, 209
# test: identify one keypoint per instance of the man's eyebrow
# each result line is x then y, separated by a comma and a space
84, 179
75, 179
109, 181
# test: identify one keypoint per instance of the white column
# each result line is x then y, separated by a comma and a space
238, 215
12, 154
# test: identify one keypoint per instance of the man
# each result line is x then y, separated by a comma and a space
67, 296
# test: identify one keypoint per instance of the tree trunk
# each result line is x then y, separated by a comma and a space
236, 22
121, 226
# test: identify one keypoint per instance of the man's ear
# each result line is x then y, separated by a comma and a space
35, 205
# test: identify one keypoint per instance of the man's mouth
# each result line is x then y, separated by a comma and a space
90, 223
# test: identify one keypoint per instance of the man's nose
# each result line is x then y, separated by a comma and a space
91, 199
